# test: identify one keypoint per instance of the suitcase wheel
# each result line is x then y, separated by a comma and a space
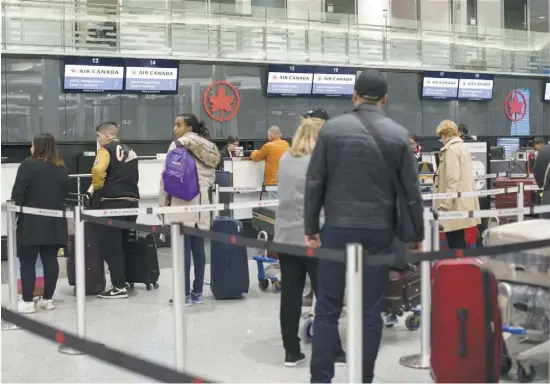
526, 373
506, 365
276, 286
307, 330
412, 322
148, 286
129, 285
263, 284
156, 285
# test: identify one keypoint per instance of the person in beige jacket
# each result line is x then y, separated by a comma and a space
194, 136
455, 175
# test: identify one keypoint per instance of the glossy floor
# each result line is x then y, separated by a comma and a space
227, 341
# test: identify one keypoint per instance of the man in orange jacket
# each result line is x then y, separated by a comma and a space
271, 152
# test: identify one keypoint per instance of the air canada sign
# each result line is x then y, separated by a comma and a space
221, 101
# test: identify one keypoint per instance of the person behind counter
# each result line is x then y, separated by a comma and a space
193, 135
229, 150
415, 147
454, 174
115, 177
42, 181
271, 152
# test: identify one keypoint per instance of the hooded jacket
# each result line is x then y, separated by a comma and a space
207, 157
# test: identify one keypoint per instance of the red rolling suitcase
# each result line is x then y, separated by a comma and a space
467, 341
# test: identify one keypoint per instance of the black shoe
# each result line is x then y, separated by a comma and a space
341, 359
294, 360
114, 293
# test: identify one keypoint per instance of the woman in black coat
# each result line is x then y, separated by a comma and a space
42, 181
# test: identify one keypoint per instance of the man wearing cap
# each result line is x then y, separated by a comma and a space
316, 113
354, 180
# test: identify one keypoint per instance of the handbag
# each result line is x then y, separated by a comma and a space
407, 228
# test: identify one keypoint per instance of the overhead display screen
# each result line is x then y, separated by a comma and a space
547, 92
440, 85
510, 145
151, 76
289, 80
334, 81
475, 86
93, 74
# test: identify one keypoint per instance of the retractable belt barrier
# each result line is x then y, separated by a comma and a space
101, 351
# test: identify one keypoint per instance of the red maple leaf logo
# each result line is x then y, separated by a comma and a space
221, 101
515, 106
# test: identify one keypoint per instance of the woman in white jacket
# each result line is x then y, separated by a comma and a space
194, 136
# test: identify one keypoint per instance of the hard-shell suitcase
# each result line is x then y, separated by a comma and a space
142, 264
95, 267
466, 334
509, 200
263, 219
229, 276
403, 291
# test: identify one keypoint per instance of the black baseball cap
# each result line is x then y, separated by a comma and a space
317, 113
371, 85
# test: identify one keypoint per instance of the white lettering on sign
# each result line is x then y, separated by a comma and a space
321, 78
440, 82
296, 78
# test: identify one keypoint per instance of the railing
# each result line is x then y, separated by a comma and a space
265, 35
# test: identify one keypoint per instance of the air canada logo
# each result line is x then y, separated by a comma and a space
221, 101
515, 106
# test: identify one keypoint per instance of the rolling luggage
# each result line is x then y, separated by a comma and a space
229, 276
142, 264
467, 344
95, 268
403, 292
263, 219
509, 200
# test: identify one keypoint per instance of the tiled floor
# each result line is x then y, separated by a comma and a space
227, 341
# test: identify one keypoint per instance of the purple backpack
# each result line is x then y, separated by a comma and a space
180, 174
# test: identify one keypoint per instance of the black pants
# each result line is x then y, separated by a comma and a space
293, 277
113, 241
456, 239
27, 260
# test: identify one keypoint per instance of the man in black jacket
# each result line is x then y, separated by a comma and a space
350, 177
115, 179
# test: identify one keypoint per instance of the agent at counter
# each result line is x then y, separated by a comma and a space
271, 152
230, 150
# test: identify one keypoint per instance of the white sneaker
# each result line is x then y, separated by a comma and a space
45, 304
26, 307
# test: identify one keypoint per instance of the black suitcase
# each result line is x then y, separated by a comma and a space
142, 264
95, 267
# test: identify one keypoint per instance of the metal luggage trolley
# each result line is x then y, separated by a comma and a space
524, 298
271, 272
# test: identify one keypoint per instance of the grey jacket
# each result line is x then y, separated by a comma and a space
347, 174
207, 158
289, 221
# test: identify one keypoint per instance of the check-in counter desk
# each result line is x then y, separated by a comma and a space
245, 173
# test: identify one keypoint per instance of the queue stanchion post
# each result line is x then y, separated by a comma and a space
216, 198
521, 200
354, 302
78, 191
178, 270
12, 274
80, 281
431, 242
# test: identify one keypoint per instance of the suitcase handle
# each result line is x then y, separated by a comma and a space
462, 314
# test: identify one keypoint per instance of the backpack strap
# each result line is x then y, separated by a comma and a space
178, 143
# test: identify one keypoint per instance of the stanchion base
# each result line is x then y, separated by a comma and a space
9, 326
415, 361
66, 350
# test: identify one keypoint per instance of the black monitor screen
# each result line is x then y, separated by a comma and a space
440, 85
289, 80
334, 81
92, 74
475, 86
510, 145
151, 76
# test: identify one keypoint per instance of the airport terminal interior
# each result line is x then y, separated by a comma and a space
245, 67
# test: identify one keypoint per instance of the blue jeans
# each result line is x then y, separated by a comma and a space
330, 301
195, 245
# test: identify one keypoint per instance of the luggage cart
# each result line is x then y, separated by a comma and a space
271, 272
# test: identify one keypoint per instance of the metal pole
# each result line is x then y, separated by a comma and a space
12, 254
422, 360
78, 189
216, 198
80, 277
178, 269
520, 200
354, 299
